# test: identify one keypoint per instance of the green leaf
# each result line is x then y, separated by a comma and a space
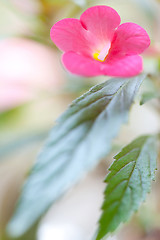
19, 143
147, 96
81, 3
129, 181
76, 144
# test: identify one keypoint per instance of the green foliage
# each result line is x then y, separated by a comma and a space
147, 96
129, 181
21, 142
80, 3
81, 138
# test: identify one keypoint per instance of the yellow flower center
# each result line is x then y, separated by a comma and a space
96, 55
102, 55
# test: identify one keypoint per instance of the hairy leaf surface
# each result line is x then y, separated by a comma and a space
81, 138
129, 181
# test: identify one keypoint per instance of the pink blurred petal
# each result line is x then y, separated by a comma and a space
81, 65
27, 69
29, 6
12, 96
153, 51
101, 21
29, 63
129, 39
127, 66
69, 35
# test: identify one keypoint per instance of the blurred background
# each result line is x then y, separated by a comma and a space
35, 89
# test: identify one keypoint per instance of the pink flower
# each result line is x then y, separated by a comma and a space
27, 70
98, 45
153, 51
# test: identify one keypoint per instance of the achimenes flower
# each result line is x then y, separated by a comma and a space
98, 45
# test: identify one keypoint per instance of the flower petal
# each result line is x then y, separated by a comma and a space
101, 21
81, 65
69, 35
12, 95
84, 66
129, 39
127, 66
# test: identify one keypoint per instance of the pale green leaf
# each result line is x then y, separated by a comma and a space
81, 138
20, 142
129, 181
147, 96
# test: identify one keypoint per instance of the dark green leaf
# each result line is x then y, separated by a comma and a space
76, 144
129, 181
